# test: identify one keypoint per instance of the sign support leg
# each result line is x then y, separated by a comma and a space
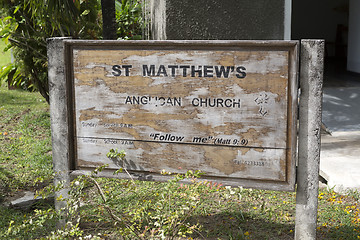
59, 119
311, 79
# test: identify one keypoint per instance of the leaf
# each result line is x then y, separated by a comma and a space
117, 6
5, 70
86, 12
17, 9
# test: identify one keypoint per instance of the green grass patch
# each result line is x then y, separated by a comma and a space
25, 145
126, 209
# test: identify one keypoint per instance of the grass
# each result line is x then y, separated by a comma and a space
25, 148
211, 211
207, 210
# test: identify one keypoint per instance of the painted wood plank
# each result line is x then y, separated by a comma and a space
226, 111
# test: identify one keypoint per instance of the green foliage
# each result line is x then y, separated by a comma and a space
142, 211
26, 27
114, 153
32, 227
129, 19
5, 57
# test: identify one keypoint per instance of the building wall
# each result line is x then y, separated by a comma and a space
353, 63
220, 19
320, 19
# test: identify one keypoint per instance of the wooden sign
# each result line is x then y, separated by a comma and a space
227, 108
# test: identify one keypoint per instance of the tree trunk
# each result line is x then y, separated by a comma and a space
109, 23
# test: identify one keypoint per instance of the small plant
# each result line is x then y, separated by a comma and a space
154, 213
114, 153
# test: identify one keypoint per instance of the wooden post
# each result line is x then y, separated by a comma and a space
311, 79
59, 117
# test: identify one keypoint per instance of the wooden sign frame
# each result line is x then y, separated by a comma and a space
93, 65
306, 173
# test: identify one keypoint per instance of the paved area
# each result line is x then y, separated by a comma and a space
340, 153
341, 108
340, 160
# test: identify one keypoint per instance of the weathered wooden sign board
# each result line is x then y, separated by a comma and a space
227, 108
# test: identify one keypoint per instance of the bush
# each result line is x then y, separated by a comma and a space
129, 19
28, 23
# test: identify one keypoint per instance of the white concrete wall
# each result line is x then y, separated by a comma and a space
287, 19
353, 63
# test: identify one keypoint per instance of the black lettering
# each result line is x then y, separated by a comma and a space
226, 103
156, 136
203, 101
163, 101
88, 124
177, 101
219, 102
244, 142
212, 102
178, 138
127, 71
241, 72
216, 102
184, 68
169, 101
197, 102
194, 71
116, 70
236, 103
147, 71
173, 71
136, 100
162, 71
144, 100
208, 71
128, 100
222, 71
